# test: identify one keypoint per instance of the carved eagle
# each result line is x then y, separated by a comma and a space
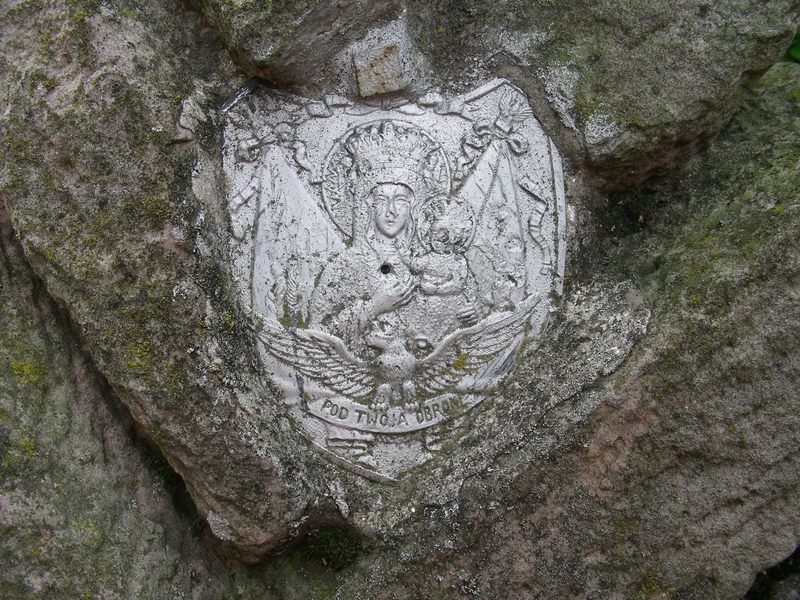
397, 373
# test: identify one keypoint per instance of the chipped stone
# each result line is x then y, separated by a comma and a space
318, 109
381, 72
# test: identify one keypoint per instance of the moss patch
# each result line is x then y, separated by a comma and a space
26, 372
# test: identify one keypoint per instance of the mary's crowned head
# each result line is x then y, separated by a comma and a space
385, 170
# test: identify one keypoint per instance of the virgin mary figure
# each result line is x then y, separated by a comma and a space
386, 171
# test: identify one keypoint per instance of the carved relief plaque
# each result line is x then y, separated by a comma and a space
395, 257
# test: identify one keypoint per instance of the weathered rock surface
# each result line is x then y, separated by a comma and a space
693, 443
85, 507
631, 91
100, 140
639, 86
295, 42
648, 446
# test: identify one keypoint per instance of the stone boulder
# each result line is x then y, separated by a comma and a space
646, 446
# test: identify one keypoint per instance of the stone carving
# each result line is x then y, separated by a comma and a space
394, 257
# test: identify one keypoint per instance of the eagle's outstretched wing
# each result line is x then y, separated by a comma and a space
320, 356
471, 350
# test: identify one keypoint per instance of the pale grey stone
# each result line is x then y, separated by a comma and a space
381, 71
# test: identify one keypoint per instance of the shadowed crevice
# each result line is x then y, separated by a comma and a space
56, 322
778, 582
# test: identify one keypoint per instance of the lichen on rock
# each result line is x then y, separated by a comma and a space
646, 444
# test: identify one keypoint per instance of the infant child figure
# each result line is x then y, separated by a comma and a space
443, 271
447, 286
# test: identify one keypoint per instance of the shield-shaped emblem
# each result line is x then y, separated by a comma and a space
395, 258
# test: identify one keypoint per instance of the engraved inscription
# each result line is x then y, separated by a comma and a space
394, 257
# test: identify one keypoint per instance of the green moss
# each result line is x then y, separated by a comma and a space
157, 210
737, 232
710, 263
153, 209
650, 586
460, 363
212, 278
622, 527
27, 372
80, 10
20, 457
229, 323
87, 533
140, 357
28, 446
291, 318
176, 378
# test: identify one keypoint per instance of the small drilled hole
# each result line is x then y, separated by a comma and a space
386, 269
